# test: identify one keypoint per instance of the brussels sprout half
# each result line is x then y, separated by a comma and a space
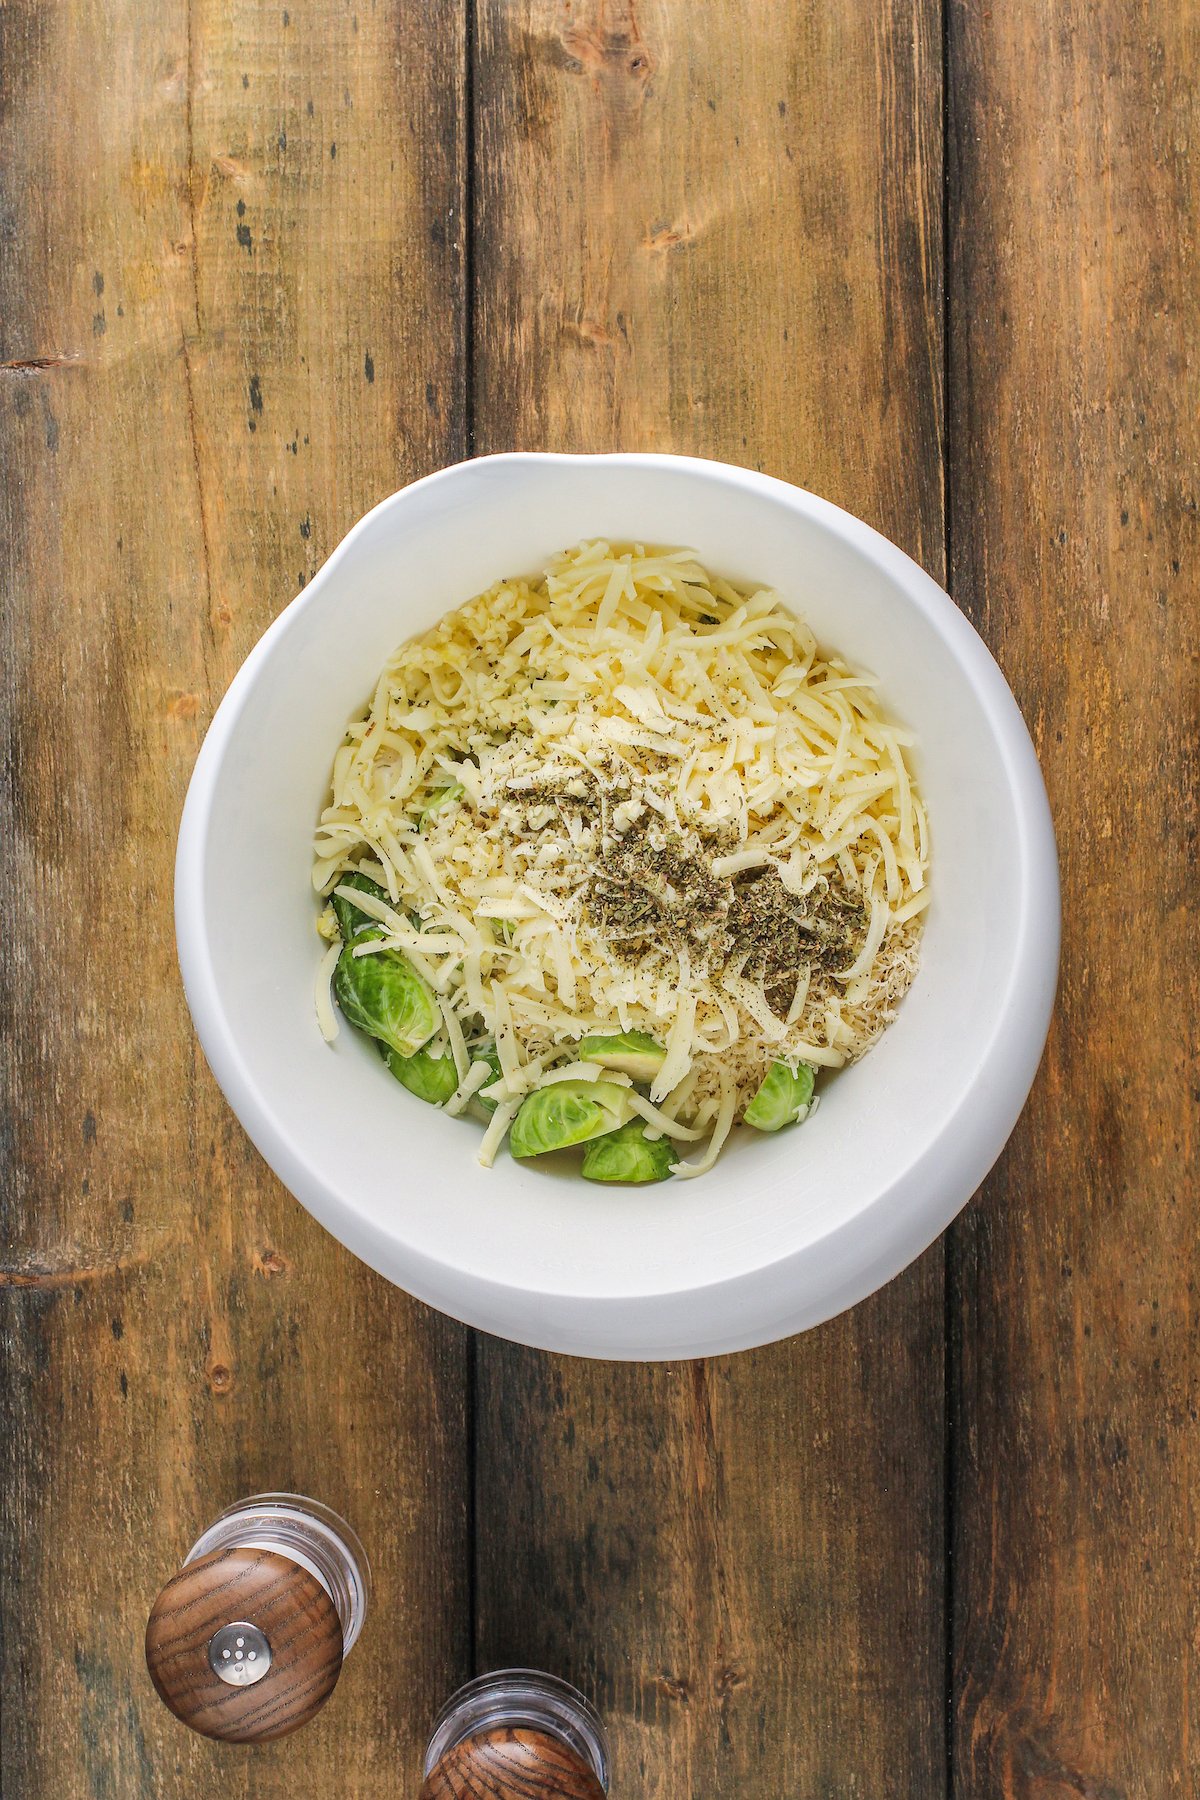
632, 1053
384, 996
781, 1099
567, 1112
432, 1078
628, 1155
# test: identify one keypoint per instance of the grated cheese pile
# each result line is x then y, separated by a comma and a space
630, 796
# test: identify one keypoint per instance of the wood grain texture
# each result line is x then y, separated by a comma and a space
245, 1587
232, 315
231, 244
507, 1764
741, 1561
1075, 343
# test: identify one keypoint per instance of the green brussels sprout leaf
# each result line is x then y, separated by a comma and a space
628, 1155
432, 1078
567, 1112
487, 1053
352, 921
441, 798
781, 1099
384, 996
632, 1053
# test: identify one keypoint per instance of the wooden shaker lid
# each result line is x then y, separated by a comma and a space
511, 1764
237, 1609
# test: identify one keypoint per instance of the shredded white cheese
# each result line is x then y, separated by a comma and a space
680, 1048
469, 1086
326, 1016
629, 704
687, 1171
662, 1125
497, 1129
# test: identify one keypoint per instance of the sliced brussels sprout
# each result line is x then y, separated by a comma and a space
487, 1053
384, 996
440, 799
628, 1155
781, 1099
351, 919
432, 1078
567, 1112
632, 1053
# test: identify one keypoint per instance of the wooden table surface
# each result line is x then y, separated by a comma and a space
262, 264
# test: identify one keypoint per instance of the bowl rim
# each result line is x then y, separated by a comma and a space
751, 1307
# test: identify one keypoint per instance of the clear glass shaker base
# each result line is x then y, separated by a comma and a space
310, 1534
522, 1699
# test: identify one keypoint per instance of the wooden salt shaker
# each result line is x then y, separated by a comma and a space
517, 1735
247, 1642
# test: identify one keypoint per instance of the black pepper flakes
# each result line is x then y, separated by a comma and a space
775, 934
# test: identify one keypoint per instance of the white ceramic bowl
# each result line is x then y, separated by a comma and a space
786, 1230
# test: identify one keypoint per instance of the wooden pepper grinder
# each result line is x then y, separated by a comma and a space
247, 1642
517, 1735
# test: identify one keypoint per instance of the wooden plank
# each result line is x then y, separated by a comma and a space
1075, 341
231, 269
711, 232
